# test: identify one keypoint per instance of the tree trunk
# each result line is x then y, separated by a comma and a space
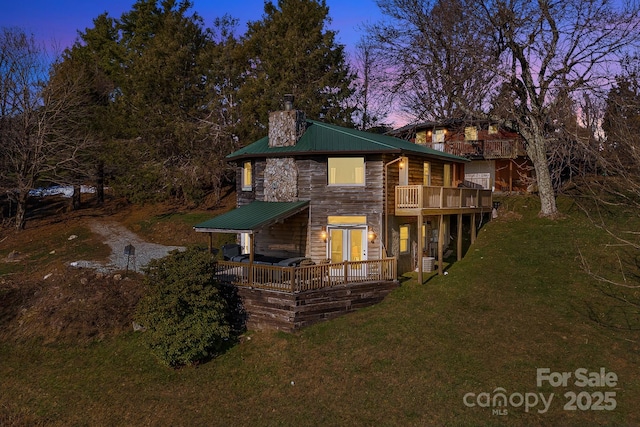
100, 183
75, 199
536, 149
21, 210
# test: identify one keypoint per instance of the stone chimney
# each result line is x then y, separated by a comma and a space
281, 173
286, 127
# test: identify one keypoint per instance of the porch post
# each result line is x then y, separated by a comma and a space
510, 175
251, 251
420, 249
441, 245
210, 242
459, 237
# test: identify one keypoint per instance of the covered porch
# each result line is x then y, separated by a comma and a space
284, 240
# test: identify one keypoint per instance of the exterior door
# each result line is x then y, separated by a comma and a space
347, 244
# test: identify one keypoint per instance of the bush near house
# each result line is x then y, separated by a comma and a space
184, 312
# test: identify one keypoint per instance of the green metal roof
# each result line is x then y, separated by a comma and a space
255, 215
323, 138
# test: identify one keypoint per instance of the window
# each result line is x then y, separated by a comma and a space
438, 135
470, 133
404, 239
426, 168
447, 175
347, 219
245, 242
493, 129
246, 176
346, 171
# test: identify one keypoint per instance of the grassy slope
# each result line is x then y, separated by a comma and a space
518, 301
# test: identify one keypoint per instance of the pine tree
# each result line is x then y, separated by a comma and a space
290, 51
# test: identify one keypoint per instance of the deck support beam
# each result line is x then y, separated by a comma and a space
420, 248
459, 237
441, 245
473, 228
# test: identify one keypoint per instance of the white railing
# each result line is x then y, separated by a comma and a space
430, 197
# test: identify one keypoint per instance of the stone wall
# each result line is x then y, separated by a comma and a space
267, 309
280, 180
286, 128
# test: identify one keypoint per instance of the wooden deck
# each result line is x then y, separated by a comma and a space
300, 279
430, 200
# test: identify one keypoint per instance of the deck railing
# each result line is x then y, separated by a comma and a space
484, 149
298, 279
430, 197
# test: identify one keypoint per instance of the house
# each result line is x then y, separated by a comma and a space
322, 206
498, 159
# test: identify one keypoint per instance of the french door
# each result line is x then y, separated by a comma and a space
348, 244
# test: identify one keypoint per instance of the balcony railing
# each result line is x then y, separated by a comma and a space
483, 149
430, 197
298, 279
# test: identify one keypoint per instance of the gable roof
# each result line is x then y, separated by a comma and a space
322, 138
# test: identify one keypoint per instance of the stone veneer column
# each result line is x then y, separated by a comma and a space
281, 174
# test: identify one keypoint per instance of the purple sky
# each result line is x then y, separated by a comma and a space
57, 22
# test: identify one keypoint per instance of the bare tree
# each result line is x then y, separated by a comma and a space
529, 50
36, 120
612, 200
430, 49
373, 96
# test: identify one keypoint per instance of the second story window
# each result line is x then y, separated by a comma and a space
471, 133
346, 171
246, 176
438, 136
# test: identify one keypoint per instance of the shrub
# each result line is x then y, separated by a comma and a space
184, 312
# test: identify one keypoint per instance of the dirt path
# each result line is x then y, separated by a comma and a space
118, 237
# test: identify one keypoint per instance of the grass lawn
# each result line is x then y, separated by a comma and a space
518, 301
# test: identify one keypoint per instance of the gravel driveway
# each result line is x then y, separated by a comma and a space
118, 237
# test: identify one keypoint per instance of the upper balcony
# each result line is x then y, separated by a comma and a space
430, 200
483, 149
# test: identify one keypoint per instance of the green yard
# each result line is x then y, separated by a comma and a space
519, 301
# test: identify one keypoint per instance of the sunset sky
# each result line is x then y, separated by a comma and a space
59, 21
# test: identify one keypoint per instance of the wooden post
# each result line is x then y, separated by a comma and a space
441, 245
292, 274
510, 176
251, 251
473, 228
345, 271
210, 242
459, 237
420, 249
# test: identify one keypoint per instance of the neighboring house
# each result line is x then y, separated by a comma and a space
321, 205
498, 160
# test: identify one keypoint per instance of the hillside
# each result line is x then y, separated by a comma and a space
430, 354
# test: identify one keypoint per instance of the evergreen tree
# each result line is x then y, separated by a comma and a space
291, 51
152, 84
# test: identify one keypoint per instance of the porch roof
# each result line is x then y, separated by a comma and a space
251, 217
